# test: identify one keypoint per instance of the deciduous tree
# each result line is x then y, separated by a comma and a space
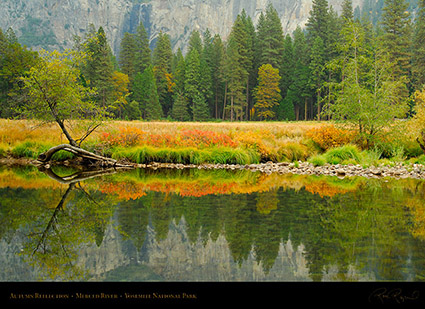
267, 92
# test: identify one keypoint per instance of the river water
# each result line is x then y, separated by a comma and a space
216, 225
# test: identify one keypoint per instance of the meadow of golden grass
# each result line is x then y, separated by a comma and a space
13, 131
25, 138
184, 141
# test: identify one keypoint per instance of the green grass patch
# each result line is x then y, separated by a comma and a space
418, 160
318, 160
31, 150
343, 155
222, 155
293, 152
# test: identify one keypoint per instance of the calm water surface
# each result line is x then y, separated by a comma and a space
197, 225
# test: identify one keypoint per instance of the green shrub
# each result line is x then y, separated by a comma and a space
29, 149
418, 160
371, 157
341, 154
229, 156
318, 160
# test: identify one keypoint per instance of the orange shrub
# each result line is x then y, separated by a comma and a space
128, 136
327, 137
257, 142
192, 138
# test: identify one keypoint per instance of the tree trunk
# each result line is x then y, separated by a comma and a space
231, 108
225, 101
91, 157
422, 142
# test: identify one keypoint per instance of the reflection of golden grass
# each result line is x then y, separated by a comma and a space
133, 188
9, 179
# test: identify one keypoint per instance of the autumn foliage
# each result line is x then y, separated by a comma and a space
329, 136
132, 136
267, 93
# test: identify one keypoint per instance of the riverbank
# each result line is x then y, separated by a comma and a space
397, 171
318, 148
416, 171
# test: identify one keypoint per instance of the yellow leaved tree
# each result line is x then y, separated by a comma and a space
267, 93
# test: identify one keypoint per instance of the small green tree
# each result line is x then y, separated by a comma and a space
57, 94
180, 108
368, 97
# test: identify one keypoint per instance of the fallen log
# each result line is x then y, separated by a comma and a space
87, 155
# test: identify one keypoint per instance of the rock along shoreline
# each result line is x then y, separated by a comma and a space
416, 171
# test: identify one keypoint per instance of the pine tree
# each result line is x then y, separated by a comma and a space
236, 74
250, 66
143, 51
200, 108
239, 64
192, 76
318, 22
300, 86
180, 102
138, 93
287, 76
99, 67
206, 74
150, 98
347, 13
11, 36
396, 37
287, 68
179, 72
127, 59
270, 38
217, 73
418, 55
15, 61
180, 108
267, 92
317, 70
195, 42
162, 58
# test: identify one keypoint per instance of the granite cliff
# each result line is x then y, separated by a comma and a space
51, 24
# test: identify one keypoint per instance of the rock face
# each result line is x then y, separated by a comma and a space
51, 24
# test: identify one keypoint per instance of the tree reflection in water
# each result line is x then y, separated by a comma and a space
348, 229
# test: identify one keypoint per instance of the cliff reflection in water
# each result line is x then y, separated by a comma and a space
197, 225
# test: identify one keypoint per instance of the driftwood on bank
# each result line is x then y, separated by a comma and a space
88, 156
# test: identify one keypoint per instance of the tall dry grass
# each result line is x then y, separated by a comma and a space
269, 139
